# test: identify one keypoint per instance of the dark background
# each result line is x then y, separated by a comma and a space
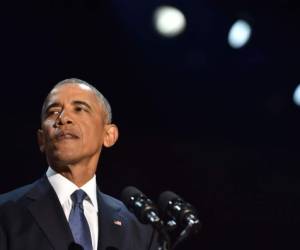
216, 125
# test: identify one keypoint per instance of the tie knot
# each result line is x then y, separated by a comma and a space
78, 196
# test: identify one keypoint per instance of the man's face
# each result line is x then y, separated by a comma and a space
73, 125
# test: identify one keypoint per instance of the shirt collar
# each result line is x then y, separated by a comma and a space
64, 187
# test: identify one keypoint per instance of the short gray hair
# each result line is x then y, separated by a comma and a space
102, 100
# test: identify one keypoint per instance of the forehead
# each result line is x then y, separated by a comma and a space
71, 92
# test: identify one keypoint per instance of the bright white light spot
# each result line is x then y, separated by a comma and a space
239, 34
296, 96
169, 21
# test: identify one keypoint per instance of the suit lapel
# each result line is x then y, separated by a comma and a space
44, 206
111, 224
49, 215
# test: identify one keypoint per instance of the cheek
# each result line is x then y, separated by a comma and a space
48, 131
96, 135
48, 123
48, 127
90, 134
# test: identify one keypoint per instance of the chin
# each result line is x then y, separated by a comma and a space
64, 158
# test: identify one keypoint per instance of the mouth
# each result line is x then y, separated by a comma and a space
66, 136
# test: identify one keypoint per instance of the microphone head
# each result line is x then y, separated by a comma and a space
128, 193
164, 200
173, 206
138, 203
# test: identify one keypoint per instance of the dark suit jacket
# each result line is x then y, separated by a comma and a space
31, 218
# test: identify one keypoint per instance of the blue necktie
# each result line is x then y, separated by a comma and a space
78, 223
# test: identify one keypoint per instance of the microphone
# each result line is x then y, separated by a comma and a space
183, 213
141, 206
146, 211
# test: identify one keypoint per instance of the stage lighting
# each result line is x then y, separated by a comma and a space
169, 21
296, 96
239, 34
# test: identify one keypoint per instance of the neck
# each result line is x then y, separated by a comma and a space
79, 174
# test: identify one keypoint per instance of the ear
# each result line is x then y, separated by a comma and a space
111, 135
41, 141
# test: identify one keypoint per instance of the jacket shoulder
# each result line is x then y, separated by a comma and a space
15, 194
113, 202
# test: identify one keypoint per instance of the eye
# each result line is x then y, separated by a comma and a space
51, 112
78, 109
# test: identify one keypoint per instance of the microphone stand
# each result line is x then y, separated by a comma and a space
183, 235
164, 240
193, 226
164, 229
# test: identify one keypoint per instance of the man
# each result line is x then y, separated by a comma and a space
64, 209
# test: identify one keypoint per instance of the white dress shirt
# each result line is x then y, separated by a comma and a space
64, 188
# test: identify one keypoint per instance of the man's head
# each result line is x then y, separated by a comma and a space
102, 100
75, 123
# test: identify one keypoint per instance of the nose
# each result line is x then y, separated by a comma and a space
62, 119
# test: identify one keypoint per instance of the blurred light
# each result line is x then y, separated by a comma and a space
296, 96
239, 34
169, 21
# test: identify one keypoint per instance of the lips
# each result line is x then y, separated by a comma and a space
66, 135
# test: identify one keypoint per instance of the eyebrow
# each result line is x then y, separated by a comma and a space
78, 102
75, 102
55, 104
